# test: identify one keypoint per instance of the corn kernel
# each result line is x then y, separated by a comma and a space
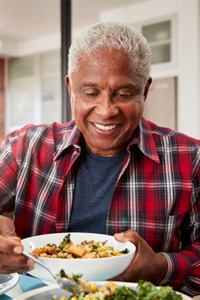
93, 287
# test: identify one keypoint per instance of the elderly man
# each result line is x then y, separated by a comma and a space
109, 170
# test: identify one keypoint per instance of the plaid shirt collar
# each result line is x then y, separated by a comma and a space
142, 137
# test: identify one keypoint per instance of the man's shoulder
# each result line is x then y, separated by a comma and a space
43, 129
43, 134
171, 134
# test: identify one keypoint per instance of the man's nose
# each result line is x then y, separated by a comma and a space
106, 107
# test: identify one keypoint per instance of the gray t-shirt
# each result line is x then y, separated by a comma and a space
95, 185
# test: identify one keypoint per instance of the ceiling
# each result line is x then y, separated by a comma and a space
22, 20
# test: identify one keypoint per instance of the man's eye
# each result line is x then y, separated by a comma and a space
90, 93
124, 95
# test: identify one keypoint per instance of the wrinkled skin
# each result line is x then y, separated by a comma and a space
107, 100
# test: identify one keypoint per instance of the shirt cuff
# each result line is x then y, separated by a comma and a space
169, 270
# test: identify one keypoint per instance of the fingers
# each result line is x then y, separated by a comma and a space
10, 245
146, 264
129, 235
11, 248
9, 242
14, 263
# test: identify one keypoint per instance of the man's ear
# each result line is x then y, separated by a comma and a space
146, 89
68, 83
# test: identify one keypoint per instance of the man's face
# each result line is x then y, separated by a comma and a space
107, 104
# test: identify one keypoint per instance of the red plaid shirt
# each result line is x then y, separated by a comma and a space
157, 194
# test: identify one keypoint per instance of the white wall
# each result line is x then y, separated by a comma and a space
187, 53
187, 39
10, 48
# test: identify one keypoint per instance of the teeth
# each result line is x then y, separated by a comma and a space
107, 127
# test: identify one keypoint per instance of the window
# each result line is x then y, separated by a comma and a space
159, 38
161, 35
50, 88
34, 93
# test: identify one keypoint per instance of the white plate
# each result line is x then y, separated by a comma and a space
7, 282
47, 292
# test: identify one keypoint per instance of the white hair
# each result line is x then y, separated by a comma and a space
113, 35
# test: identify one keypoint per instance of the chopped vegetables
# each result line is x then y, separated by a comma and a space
111, 291
85, 249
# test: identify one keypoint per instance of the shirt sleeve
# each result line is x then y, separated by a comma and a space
184, 266
183, 272
8, 177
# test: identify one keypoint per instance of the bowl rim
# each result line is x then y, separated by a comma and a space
132, 247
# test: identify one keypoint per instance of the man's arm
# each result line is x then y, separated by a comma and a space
180, 270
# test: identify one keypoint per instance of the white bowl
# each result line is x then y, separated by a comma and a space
92, 269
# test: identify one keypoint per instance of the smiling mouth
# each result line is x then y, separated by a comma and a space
105, 127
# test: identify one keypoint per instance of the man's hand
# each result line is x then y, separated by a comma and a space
146, 264
11, 259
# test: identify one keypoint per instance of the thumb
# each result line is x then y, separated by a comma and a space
129, 235
7, 226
